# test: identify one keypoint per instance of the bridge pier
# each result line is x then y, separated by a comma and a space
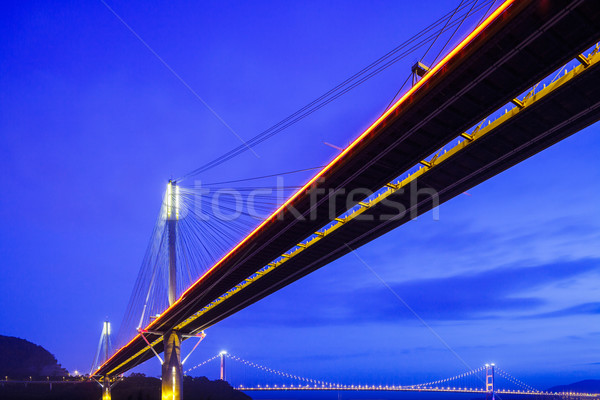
172, 370
105, 388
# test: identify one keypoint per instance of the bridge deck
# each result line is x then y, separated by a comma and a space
514, 48
563, 108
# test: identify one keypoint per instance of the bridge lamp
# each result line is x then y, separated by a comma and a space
223, 352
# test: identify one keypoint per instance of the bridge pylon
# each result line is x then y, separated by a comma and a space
103, 353
106, 388
172, 369
222, 370
172, 219
489, 381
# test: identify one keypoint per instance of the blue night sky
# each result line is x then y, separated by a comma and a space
92, 125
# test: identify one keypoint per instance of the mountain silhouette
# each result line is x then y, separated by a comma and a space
20, 358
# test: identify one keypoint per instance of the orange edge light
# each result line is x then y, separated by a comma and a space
370, 129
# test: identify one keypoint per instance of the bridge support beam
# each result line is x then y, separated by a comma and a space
172, 370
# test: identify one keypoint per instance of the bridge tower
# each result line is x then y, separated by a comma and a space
223, 354
489, 380
105, 342
172, 218
172, 370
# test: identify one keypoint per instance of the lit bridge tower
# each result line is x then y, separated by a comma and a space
172, 370
222, 354
104, 351
489, 381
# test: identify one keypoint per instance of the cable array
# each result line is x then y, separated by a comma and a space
212, 218
278, 372
478, 385
429, 35
514, 380
104, 347
461, 376
203, 363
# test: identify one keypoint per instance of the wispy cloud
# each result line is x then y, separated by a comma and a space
498, 293
592, 308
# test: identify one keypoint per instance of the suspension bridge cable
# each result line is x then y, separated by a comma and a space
339, 90
398, 92
442, 49
453, 33
263, 177
514, 380
207, 227
466, 374
277, 372
202, 363
462, 381
97, 357
440, 32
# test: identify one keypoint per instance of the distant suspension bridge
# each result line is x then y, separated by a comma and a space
487, 379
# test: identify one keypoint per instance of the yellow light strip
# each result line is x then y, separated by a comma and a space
139, 353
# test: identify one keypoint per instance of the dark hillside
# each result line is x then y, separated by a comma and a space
137, 387
20, 358
587, 386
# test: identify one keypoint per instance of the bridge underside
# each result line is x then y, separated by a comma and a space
547, 118
525, 43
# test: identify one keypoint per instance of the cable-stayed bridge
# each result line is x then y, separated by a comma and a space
522, 80
487, 379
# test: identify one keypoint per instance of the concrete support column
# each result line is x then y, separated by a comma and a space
106, 388
172, 370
